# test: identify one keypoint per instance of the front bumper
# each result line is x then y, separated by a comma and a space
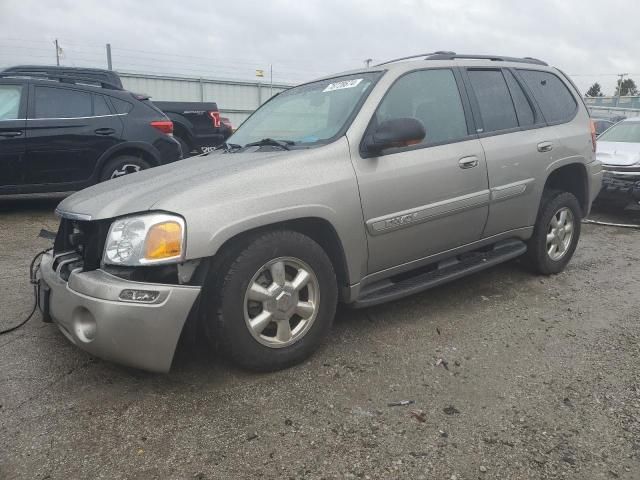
620, 185
89, 312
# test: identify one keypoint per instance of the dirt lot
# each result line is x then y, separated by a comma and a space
541, 381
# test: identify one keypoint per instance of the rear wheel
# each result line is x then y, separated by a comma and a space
556, 232
123, 165
270, 304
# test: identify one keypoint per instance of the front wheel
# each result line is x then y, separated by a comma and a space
556, 233
271, 304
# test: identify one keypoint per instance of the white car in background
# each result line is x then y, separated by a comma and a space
618, 149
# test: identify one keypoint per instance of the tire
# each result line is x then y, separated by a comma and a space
230, 308
186, 149
549, 249
123, 165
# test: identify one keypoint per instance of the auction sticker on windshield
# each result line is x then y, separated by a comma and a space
343, 84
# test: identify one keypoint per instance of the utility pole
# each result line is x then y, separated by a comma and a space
57, 52
368, 61
271, 80
109, 64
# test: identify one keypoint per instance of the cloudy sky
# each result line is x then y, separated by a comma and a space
591, 40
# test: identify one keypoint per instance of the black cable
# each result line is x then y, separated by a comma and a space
33, 272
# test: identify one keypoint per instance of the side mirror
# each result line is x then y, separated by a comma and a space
397, 132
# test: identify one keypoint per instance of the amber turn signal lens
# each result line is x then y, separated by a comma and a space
164, 240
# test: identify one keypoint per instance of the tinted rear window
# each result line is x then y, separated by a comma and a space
494, 100
552, 95
62, 103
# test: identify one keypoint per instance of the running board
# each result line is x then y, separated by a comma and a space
445, 271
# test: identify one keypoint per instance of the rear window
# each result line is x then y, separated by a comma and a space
10, 96
121, 106
496, 107
62, 103
552, 95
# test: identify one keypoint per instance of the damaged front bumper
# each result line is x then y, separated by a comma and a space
620, 184
92, 311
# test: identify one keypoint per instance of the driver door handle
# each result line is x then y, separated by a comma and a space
468, 162
10, 134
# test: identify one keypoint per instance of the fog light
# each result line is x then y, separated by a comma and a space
142, 296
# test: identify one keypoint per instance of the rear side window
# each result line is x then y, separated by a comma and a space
430, 96
10, 96
62, 103
100, 106
496, 107
121, 106
523, 107
553, 97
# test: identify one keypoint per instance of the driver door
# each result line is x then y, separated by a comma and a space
427, 198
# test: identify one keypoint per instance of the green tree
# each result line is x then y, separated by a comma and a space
595, 90
627, 88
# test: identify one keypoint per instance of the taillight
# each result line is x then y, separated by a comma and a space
215, 117
593, 135
165, 126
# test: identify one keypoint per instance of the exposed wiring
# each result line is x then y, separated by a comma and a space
611, 224
33, 272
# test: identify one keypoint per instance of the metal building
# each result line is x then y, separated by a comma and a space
236, 99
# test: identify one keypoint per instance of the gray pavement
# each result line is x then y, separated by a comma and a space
541, 381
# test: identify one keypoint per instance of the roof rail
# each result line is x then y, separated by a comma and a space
73, 79
415, 56
493, 58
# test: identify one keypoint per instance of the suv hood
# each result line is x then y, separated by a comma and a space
618, 154
157, 187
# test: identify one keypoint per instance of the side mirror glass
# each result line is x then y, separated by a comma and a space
396, 132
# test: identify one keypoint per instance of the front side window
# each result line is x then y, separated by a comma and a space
430, 96
62, 103
10, 96
496, 107
626, 132
307, 115
553, 97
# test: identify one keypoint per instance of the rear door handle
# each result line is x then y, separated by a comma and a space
545, 147
10, 134
105, 131
468, 162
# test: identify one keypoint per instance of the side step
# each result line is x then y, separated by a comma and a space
437, 274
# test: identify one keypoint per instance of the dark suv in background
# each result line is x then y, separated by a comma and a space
63, 132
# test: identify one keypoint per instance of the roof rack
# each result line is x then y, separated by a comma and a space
443, 55
73, 79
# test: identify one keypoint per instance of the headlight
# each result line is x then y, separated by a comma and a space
146, 239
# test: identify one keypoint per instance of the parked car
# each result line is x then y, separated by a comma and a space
619, 151
196, 125
362, 187
601, 125
62, 133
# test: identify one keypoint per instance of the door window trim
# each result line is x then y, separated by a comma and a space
466, 108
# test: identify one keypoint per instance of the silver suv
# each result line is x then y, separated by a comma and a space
360, 188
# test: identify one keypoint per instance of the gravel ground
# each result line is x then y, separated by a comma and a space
539, 378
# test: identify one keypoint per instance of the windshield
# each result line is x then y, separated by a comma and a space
310, 114
628, 132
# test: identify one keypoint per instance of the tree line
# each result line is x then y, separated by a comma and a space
626, 88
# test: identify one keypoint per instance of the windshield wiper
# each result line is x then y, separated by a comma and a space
270, 141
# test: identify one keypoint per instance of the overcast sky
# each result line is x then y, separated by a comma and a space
591, 40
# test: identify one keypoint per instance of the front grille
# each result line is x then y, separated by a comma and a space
84, 239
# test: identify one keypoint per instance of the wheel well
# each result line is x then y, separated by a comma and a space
134, 152
315, 228
570, 178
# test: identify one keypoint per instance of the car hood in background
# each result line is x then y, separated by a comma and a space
156, 187
618, 154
